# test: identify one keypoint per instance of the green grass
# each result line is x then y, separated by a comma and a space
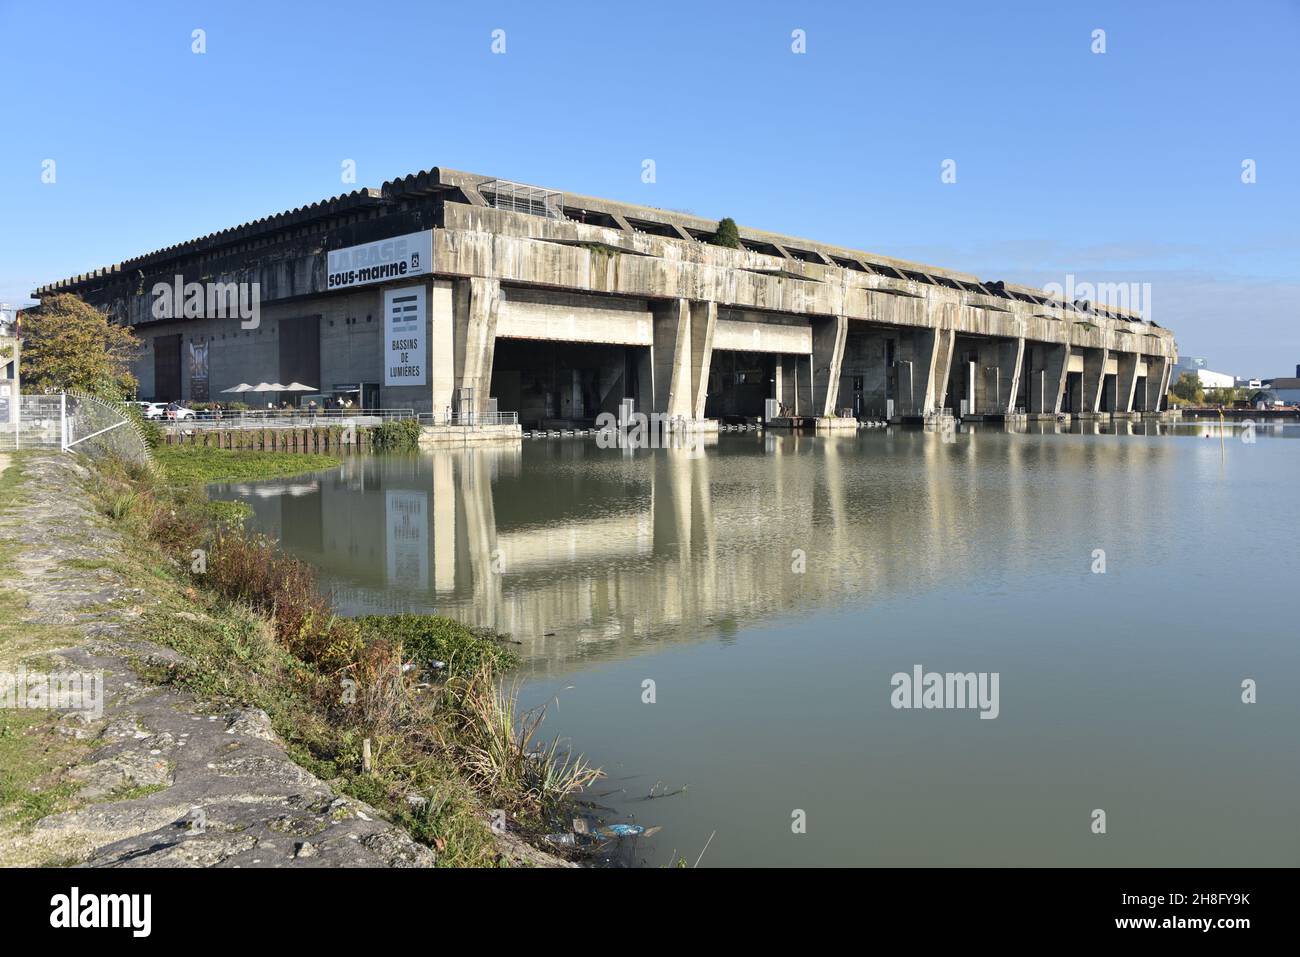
10, 479
27, 752
229, 512
195, 465
429, 638
464, 751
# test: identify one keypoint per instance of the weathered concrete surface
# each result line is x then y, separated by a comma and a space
224, 791
597, 275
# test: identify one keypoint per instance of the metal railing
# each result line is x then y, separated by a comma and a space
469, 419
284, 418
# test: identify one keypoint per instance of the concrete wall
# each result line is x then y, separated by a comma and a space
501, 274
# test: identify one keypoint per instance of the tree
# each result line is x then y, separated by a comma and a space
69, 344
728, 234
1188, 388
1225, 396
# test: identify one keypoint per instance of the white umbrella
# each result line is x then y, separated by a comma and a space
298, 387
242, 387
267, 387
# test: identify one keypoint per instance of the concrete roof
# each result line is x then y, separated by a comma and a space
441, 180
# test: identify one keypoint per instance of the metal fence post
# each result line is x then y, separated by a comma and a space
63, 421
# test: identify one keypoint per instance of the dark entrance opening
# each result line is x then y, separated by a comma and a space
740, 383
558, 385
1072, 401
1109, 389
300, 352
167, 368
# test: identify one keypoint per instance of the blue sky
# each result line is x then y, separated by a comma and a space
1118, 167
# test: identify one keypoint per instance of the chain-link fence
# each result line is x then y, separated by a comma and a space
72, 422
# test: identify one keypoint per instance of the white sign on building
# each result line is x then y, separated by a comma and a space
398, 258
404, 335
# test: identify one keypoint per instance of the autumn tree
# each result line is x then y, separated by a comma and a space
69, 344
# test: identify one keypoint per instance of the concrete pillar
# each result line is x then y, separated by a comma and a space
1094, 376
1125, 380
673, 387
787, 383
828, 335
945, 345
442, 346
1158, 371
475, 305
804, 385
1010, 359
1047, 366
704, 320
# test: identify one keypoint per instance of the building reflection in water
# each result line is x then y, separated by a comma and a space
578, 551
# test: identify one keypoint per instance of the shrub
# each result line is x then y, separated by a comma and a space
427, 638
250, 569
396, 435
728, 234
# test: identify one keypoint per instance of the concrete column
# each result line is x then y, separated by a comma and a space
1164, 385
1125, 380
673, 389
476, 303
828, 335
704, 320
1094, 375
945, 345
804, 385
1010, 359
787, 382
1159, 369
1047, 368
442, 346
645, 380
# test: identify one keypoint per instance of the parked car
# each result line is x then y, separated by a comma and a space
150, 410
177, 412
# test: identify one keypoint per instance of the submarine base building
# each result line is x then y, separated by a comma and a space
459, 296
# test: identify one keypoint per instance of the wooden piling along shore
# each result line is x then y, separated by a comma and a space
305, 439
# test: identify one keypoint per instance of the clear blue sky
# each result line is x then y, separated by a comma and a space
1124, 166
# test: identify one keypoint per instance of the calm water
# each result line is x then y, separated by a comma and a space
772, 686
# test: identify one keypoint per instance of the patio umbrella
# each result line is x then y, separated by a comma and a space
242, 387
298, 387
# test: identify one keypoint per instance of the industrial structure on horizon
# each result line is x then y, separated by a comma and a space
459, 295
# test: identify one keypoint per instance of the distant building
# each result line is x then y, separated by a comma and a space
9, 354
1285, 390
1209, 379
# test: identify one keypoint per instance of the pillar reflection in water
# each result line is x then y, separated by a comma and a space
580, 551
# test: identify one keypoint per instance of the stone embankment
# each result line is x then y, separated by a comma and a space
161, 778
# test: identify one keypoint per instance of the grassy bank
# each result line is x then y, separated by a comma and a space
447, 745
195, 465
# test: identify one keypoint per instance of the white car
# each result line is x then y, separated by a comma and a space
151, 410
176, 412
